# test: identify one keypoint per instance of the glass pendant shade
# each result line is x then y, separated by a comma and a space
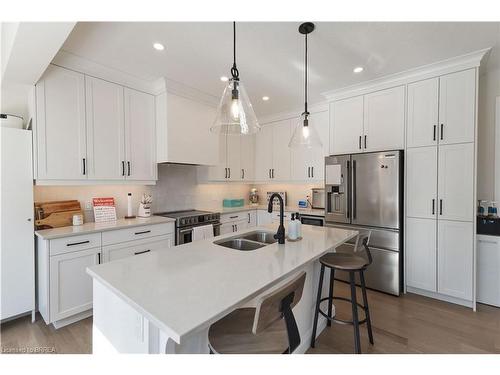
305, 134
235, 113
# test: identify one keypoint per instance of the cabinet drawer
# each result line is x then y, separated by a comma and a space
136, 248
136, 233
237, 216
74, 243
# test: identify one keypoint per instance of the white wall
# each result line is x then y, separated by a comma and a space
489, 89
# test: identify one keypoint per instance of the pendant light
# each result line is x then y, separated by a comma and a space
305, 135
235, 113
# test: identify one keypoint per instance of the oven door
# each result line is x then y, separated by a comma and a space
185, 235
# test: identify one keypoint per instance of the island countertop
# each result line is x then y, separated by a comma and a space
190, 286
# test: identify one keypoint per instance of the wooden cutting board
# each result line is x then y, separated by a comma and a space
56, 214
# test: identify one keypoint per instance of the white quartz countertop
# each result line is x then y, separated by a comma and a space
305, 211
50, 234
186, 288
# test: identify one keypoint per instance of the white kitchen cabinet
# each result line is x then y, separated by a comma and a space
247, 158
421, 253
488, 269
105, 130
60, 122
281, 151
264, 153
218, 172
252, 218
455, 258
421, 186
136, 248
346, 122
457, 99
384, 119
456, 182
140, 142
264, 217
226, 228
183, 131
233, 157
70, 285
423, 100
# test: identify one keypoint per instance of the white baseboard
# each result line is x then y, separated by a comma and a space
440, 297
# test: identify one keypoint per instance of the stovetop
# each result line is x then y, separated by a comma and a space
191, 217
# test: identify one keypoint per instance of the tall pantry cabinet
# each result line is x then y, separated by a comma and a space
440, 186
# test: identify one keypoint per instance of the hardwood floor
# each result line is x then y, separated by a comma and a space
408, 324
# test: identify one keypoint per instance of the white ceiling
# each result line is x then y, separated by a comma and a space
270, 54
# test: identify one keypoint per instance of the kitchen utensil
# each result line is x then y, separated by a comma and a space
56, 214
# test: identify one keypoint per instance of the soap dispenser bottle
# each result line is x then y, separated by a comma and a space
298, 224
292, 228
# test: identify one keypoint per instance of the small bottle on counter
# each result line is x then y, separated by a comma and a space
292, 228
299, 225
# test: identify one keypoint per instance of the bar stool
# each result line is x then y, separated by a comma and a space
270, 328
352, 263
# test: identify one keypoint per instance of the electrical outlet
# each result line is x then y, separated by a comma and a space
88, 205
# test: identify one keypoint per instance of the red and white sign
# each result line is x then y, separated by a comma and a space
104, 209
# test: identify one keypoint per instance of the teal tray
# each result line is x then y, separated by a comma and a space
233, 202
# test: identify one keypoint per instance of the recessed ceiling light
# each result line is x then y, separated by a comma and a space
358, 69
158, 46
265, 98
224, 79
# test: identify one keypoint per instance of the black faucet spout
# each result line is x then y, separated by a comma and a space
280, 234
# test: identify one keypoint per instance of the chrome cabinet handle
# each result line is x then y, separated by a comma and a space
142, 252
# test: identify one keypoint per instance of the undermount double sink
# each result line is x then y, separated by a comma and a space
248, 241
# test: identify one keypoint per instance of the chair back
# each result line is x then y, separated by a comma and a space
361, 245
270, 307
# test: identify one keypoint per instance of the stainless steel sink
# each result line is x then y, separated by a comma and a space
260, 236
248, 241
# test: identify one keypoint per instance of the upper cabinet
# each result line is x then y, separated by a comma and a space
372, 122
441, 110
183, 131
264, 153
60, 125
88, 129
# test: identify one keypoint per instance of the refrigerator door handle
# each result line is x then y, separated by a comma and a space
347, 201
353, 189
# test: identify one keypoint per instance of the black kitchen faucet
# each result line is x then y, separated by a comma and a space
280, 234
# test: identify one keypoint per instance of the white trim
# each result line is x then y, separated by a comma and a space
440, 297
470, 60
496, 160
295, 113
92, 182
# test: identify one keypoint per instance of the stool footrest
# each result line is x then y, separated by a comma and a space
341, 321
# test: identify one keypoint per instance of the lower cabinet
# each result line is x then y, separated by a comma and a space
134, 248
264, 217
231, 223
70, 285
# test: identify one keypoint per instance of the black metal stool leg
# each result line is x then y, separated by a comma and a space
365, 303
355, 320
318, 301
330, 295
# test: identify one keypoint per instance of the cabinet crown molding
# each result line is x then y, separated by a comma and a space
467, 61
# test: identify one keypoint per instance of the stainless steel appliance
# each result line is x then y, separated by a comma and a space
365, 192
186, 220
318, 198
312, 220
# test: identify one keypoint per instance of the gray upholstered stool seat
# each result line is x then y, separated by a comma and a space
233, 335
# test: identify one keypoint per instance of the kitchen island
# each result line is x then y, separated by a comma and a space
164, 302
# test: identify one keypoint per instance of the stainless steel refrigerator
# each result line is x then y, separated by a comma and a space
365, 192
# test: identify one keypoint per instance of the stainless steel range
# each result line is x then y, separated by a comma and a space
186, 220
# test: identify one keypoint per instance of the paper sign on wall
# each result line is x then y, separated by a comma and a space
104, 209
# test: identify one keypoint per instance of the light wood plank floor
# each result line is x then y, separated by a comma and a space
408, 324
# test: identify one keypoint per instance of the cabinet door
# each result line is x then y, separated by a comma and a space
105, 130
321, 121
247, 158
252, 218
264, 153
136, 248
233, 157
457, 99
346, 126
140, 136
456, 182
281, 151
421, 255
300, 159
61, 145
219, 171
227, 228
421, 177
488, 269
264, 217
70, 285
240, 225
384, 120
422, 125
455, 258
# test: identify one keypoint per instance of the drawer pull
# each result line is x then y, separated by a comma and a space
233, 217
77, 243
143, 232
142, 252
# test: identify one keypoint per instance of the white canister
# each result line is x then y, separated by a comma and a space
77, 219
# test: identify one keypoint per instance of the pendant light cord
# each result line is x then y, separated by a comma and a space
305, 88
234, 70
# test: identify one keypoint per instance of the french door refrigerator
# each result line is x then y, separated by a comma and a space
365, 192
